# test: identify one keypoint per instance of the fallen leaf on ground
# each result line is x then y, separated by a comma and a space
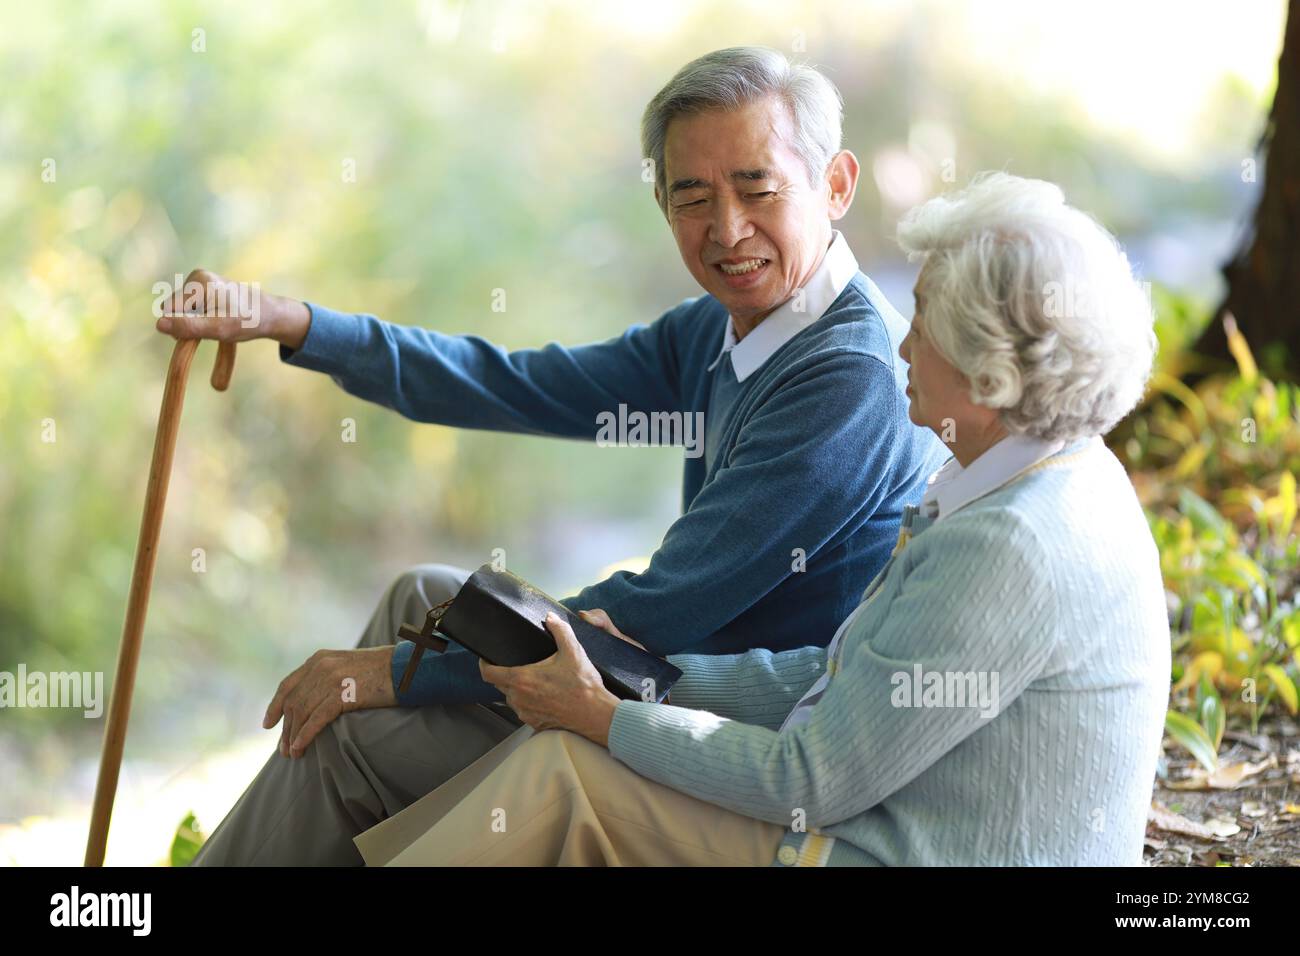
1229, 777
1162, 818
1223, 827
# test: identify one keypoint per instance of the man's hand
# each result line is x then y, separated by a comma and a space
564, 691
328, 684
598, 617
210, 306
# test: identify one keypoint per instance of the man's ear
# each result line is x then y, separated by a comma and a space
842, 183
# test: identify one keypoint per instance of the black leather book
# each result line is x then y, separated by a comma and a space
502, 618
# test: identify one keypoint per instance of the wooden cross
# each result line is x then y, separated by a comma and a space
425, 639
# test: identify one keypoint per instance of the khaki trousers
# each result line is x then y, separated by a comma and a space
555, 798
365, 766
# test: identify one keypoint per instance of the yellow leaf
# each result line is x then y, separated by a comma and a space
1240, 350
1246, 567
1170, 385
1210, 663
1286, 499
1286, 688
1191, 461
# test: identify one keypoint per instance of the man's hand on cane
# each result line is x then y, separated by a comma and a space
210, 306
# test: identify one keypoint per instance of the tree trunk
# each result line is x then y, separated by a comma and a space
1264, 274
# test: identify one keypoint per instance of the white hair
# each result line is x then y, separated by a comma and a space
1035, 303
732, 78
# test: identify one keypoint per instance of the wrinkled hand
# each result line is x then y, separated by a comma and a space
210, 306
328, 684
564, 691
598, 617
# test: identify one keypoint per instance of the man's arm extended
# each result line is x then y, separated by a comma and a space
458, 380
467, 382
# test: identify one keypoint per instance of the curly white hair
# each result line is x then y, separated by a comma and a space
1035, 303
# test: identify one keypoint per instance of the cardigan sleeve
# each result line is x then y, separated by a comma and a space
757, 687
976, 597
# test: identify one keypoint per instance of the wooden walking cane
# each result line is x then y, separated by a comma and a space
146, 550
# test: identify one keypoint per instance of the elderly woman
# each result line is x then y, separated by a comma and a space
996, 698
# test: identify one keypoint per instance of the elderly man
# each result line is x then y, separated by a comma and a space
809, 456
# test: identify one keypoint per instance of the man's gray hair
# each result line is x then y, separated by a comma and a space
732, 78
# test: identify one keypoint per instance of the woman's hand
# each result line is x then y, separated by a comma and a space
565, 691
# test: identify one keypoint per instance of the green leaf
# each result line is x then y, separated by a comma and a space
1211, 715
1204, 515
1190, 735
186, 843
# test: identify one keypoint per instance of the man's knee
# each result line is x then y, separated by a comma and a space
355, 730
426, 585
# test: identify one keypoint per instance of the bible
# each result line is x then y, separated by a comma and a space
502, 618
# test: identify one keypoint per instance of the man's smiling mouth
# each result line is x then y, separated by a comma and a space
742, 267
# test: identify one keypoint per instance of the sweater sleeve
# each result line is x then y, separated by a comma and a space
821, 450
979, 599
451, 677
757, 687
467, 382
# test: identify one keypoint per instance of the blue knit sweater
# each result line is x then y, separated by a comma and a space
796, 510
1049, 590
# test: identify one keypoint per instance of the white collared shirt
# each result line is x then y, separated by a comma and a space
953, 486
838, 266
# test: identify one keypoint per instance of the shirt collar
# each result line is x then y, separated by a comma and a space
837, 268
953, 487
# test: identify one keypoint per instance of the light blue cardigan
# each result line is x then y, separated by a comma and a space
1050, 585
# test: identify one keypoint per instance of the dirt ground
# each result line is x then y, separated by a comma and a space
1247, 814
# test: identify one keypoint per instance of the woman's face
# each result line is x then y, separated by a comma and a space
939, 395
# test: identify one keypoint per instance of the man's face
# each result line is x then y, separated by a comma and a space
750, 228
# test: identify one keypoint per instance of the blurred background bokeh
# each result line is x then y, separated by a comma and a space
495, 146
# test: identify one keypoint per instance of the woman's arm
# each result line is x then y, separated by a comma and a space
758, 687
976, 597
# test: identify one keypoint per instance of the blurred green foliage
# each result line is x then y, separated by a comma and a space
1216, 467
